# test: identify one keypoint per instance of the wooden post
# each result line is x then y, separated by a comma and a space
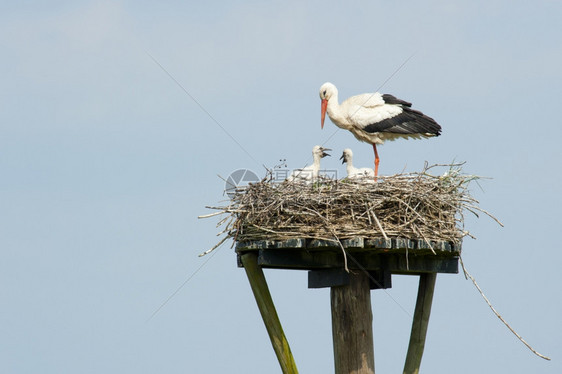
268, 313
420, 323
352, 326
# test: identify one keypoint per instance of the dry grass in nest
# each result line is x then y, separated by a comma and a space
413, 206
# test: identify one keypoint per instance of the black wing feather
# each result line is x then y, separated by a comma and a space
391, 99
410, 121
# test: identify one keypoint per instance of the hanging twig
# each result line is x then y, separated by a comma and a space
215, 247
467, 274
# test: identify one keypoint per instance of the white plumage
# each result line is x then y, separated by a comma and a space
374, 118
352, 171
309, 174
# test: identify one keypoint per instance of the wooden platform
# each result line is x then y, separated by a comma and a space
397, 256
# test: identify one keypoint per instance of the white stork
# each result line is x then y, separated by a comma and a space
374, 118
352, 171
309, 174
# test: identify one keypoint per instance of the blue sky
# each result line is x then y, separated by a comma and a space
106, 164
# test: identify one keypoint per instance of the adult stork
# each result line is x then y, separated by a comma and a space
374, 118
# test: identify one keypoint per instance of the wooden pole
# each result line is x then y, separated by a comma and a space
352, 326
268, 313
420, 323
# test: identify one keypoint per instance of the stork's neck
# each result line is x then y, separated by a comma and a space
335, 111
349, 166
315, 166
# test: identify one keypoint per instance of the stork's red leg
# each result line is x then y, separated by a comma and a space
376, 161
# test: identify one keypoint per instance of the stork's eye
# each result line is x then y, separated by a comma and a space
324, 93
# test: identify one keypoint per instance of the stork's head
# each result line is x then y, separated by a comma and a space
346, 156
320, 151
327, 90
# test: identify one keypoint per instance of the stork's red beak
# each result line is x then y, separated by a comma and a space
324, 106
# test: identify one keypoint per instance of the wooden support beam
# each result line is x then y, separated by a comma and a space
327, 278
352, 326
268, 313
370, 260
339, 277
420, 323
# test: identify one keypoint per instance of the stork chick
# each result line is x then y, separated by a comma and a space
352, 171
309, 174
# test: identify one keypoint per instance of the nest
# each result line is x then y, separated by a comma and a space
412, 206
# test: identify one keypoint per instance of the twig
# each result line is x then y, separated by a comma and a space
378, 223
467, 274
211, 214
427, 241
215, 247
344, 252
485, 212
337, 239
